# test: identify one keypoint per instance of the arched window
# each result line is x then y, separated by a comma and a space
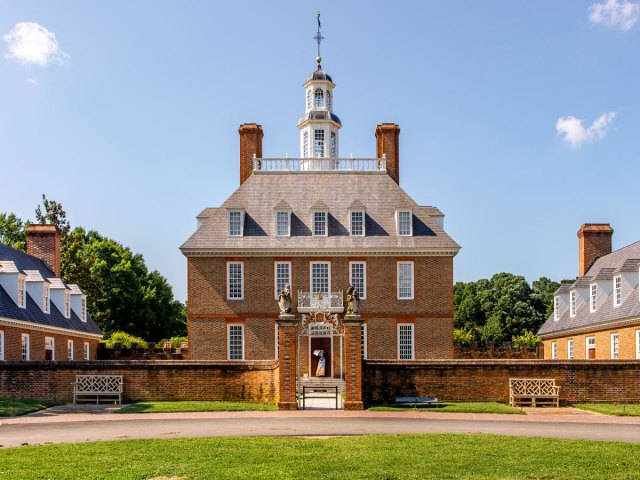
328, 100
309, 99
319, 98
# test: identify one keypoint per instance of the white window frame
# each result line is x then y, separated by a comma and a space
83, 308
589, 346
363, 340
288, 215
570, 349
305, 144
275, 277
86, 351
1, 344
554, 350
69, 349
67, 303
593, 297
241, 263
229, 213
25, 346
311, 290
309, 99
638, 344
326, 223
318, 98
22, 292
364, 216
556, 308
229, 328
399, 230
333, 145
617, 290
362, 294
321, 147
413, 281
413, 343
615, 346
53, 346
46, 298
572, 303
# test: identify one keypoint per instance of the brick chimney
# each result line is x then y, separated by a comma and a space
250, 143
594, 241
388, 143
43, 241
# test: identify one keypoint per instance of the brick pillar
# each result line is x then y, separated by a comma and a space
388, 143
353, 362
288, 366
43, 241
594, 241
250, 144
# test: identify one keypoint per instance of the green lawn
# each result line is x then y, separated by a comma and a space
372, 457
166, 407
10, 407
611, 409
454, 407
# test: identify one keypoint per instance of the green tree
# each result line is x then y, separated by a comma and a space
542, 295
12, 231
53, 214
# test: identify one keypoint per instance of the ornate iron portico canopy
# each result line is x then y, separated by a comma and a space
319, 324
331, 302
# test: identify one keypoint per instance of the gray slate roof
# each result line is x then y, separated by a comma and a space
601, 270
302, 191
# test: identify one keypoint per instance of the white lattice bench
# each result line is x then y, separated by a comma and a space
88, 387
534, 392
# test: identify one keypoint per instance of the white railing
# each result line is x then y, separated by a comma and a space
320, 302
319, 164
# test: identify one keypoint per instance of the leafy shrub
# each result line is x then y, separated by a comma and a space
175, 341
527, 339
464, 336
124, 339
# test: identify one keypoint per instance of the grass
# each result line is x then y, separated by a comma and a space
454, 407
166, 407
11, 407
384, 457
611, 409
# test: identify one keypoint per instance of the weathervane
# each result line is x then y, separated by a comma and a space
319, 39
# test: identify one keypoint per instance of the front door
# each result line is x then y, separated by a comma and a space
320, 344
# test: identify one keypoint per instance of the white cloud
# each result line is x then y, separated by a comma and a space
31, 43
576, 135
613, 13
33, 81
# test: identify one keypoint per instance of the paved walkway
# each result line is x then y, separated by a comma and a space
91, 423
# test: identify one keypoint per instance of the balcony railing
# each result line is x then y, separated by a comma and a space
320, 302
319, 164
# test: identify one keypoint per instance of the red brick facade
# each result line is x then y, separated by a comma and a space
13, 344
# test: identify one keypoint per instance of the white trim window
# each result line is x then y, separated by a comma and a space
572, 303
49, 348
328, 99
83, 308
235, 280
356, 218
363, 341
570, 349
282, 276
617, 291
556, 308
309, 99
405, 341
554, 350
320, 224
46, 300
334, 143
283, 223
318, 143
404, 223
235, 222
305, 144
319, 98
67, 303
593, 297
589, 347
405, 280
25, 346
22, 298
69, 349
358, 278
615, 344
320, 277
86, 350
235, 341
1, 344
638, 344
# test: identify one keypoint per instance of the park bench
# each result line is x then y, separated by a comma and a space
534, 392
415, 400
89, 387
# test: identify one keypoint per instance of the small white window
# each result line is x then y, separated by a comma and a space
334, 145
84, 309
46, 301
49, 348
572, 304
591, 348
235, 280
86, 351
405, 280
556, 308
554, 350
617, 291
69, 349
319, 96
404, 223
405, 341
319, 224
25, 346
357, 224
593, 298
358, 278
570, 349
22, 299
235, 342
235, 224
283, 227
282, 275
309, 99
1, 344
305, 145
614, 346
320, 277
638, 344
67, 304
318, 143
363, 341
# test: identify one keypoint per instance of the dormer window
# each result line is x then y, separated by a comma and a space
593, 297
556, 308
319, 96
46, 300
572, 304
67, 304
617, 291
319, 224
357, 223
283, 224
22, 299
404, 223
84, 309
236, 223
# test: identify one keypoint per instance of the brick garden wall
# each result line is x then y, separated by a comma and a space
254, 381
488, 380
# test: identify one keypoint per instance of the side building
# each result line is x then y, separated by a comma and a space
598, 316
42, 318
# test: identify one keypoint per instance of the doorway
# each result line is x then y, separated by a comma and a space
324, 344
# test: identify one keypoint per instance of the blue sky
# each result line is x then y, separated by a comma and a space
520, 120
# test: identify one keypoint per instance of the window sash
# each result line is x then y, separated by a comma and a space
404, 223
554, 350
615, 351
305, 145
84, 309
86, 351
405, 341
405, 280
21, 293
282, 276
319, 98
334, 148
318, 143
617, 282
25, 346
320, 277
358, 278
235, 280
45, 299
357, 224
572, 303
593, 298
67, 304
320, 224
556, 308
235, 224
570, 349
69, 349
282, 224
235, 342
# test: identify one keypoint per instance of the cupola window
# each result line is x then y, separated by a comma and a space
328, 100
305, 145
334, 149
319, 96
309, 99
318, 143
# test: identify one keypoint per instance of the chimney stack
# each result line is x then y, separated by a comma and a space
594, 241
388, 143
43, 241
250, 144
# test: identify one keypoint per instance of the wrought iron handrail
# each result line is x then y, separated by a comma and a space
319, 164
320, 302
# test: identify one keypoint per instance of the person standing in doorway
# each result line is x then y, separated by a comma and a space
322, 363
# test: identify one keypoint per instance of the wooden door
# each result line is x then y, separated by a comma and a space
591, 353
324, 344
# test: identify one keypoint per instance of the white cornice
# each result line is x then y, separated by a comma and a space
279, 252
11, 322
